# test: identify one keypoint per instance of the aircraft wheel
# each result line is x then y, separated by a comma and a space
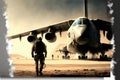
79, 57
105, 56
101, 57
63, 57
85, 57
68, 57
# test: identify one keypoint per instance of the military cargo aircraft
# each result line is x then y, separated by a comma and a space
83, 34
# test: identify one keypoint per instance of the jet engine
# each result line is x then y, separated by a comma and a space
50, 37
32, 37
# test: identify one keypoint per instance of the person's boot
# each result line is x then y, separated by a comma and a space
37, 74
41, 73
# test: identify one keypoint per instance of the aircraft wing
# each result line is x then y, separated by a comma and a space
63, 26
104, 26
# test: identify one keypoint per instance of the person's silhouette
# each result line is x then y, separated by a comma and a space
38, 50
52, 56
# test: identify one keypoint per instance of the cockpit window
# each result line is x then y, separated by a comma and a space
81, 21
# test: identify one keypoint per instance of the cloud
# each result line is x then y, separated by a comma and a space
33, 14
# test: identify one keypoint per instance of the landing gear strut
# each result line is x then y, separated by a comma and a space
84, 57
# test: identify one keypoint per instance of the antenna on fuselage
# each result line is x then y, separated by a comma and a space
85, 8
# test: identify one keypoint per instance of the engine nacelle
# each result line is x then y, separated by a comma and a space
50, 37
31, 38
109, 34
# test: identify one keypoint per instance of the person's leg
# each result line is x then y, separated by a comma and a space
36, 65
41, 65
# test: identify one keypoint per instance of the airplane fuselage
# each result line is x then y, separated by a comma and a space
82, 32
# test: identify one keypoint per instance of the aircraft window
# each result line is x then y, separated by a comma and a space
79, 22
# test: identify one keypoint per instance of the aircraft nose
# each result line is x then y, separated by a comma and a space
79, 30
80, 35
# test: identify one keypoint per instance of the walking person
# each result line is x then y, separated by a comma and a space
38, 50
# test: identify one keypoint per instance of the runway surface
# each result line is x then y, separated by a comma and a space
63, 68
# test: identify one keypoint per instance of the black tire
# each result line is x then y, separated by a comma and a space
105, 56
68, 57
79, 57
101, 57
63, 57
85, 57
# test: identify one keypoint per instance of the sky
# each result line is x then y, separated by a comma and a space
33, 14
26, 15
